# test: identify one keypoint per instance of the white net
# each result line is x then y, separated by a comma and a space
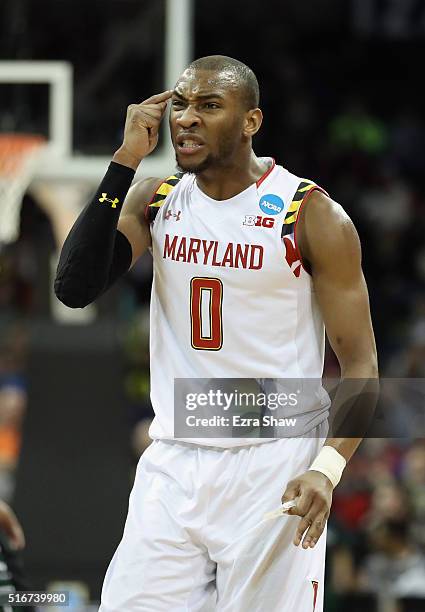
20, 155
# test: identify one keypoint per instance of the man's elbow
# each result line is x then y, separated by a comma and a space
374, 369
373, 364
362, 366
72, 294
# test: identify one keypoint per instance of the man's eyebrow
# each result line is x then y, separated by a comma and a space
200, 96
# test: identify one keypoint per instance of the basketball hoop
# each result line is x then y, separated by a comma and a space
19, 157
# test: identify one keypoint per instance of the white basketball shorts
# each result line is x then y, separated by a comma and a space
195, 538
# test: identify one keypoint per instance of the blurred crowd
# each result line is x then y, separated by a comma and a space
376, 534
334, 114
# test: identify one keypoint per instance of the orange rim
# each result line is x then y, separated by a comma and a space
14, 150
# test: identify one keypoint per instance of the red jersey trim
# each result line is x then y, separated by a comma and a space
315, 585
312, 190
266, 174
146, 211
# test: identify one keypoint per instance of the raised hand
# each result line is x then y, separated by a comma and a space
141, 129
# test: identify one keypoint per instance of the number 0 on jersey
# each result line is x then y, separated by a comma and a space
206, 297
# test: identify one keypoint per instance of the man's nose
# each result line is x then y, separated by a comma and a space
188, 118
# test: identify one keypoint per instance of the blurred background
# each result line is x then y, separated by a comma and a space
341, 93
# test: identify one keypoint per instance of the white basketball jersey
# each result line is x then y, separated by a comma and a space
230, 298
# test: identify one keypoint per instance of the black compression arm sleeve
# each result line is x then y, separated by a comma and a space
95, 253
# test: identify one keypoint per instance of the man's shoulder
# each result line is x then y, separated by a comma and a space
160, 194
146, 188
323, 212
139, 197
326, 233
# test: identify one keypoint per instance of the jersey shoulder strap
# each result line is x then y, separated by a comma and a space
303, 190
160, 195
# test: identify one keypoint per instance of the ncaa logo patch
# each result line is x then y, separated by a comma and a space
271, 204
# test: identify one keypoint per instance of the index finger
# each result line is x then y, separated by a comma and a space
304, 502
291, 492
161, 97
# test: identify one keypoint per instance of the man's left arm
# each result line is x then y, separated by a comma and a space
330, 249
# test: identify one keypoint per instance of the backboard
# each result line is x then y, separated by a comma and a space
64, 162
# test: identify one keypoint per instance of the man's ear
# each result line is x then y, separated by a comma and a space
252, 122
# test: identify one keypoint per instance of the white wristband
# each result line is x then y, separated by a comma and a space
331, 463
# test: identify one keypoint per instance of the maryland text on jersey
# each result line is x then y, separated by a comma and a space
213, 253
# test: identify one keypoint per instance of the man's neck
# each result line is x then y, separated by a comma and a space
225, 183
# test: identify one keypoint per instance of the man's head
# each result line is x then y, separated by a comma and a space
214, 113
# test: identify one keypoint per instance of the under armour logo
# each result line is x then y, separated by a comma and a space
176, 216
113, 202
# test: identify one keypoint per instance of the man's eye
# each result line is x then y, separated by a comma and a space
212, 105
177, 103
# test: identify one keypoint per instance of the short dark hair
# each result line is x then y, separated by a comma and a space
244, 76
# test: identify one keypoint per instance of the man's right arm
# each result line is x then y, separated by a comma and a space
99, 250
111, 232
132, 222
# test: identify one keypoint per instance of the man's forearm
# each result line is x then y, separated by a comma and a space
351, 413
354, 403
95, 253
345, 446
124, 157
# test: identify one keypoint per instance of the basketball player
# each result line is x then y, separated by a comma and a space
12, 541
280, 260
10, 525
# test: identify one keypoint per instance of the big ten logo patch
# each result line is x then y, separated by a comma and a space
258, 221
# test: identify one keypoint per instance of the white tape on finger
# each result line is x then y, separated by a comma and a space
281, 510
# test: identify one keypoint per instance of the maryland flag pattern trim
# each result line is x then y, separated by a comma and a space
292, 213
165, 188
